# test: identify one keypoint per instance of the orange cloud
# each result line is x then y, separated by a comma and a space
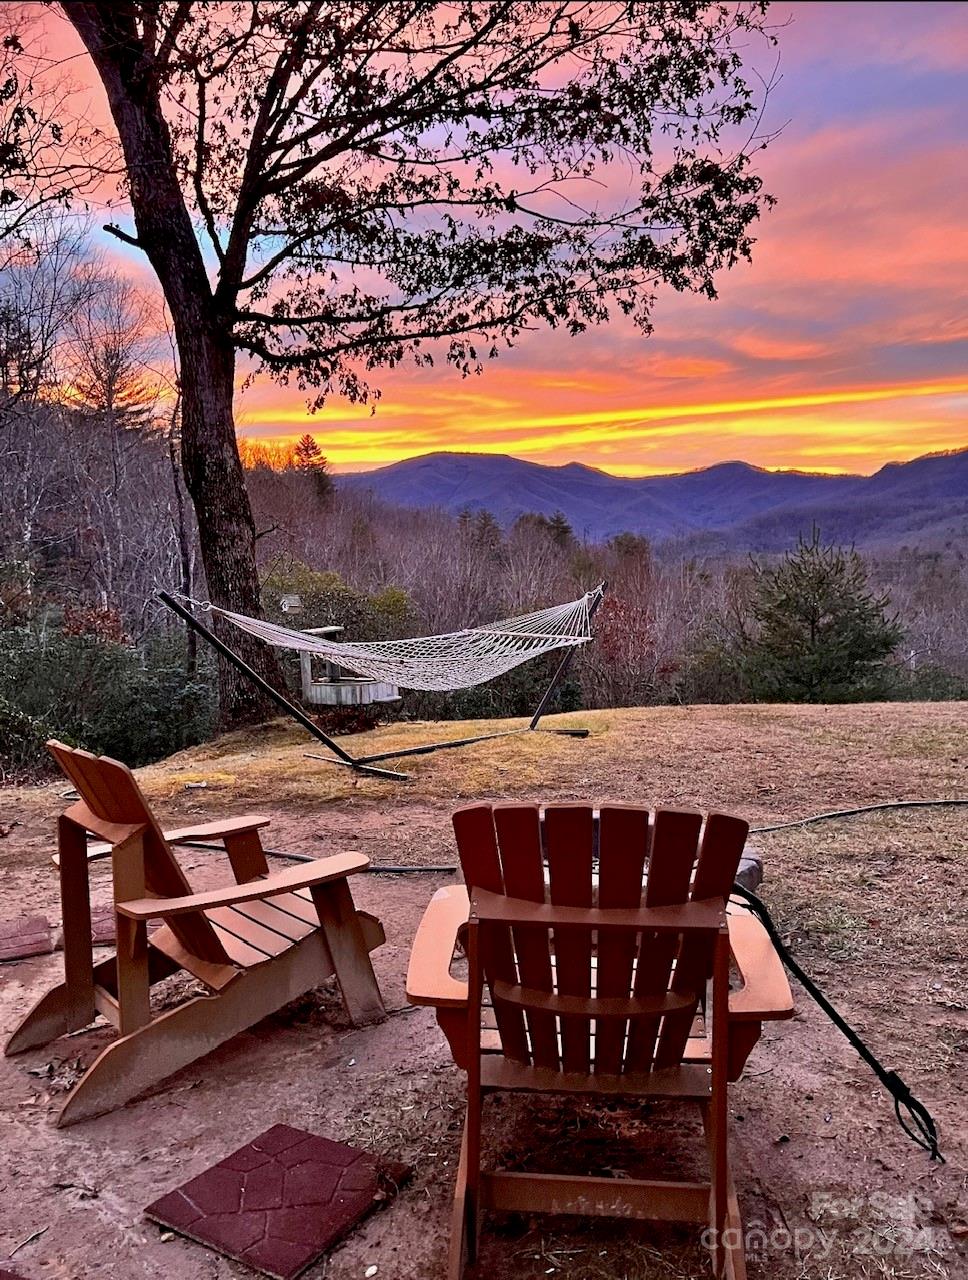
688, 367
834, 430
766, 346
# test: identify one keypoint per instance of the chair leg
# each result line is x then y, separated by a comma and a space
465, 1220
734, 1246
341, 927
76, 912
56, 1013
472, 1130
723, 1205
59, 1011
134, 981
457, 1254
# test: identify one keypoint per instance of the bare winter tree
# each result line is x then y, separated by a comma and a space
47, 155
369, 176
42, 286
109, 365
84, 477
107, 374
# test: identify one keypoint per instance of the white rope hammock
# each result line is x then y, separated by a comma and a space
457, 660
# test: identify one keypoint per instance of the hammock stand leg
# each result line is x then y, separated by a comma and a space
340, 755
560, 674
438, 746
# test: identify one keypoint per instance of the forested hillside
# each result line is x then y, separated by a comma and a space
731, 507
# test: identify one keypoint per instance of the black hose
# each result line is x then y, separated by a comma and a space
849, 813
405, 871
309, 857
918, 1124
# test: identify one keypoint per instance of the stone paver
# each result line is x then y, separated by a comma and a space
279, 1202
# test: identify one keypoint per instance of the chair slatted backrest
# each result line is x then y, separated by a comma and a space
111, 792
643, 859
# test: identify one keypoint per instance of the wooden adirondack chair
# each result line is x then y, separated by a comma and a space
610, 979
255, 944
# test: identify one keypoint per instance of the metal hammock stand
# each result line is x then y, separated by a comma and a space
369, 764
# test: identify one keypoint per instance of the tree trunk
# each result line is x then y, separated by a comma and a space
186, 584
203, 333
216, 482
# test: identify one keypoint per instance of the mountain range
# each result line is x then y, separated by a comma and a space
729, 506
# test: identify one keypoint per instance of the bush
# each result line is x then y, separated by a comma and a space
22, 738
712, 673
111, 698
327, 601
929, 683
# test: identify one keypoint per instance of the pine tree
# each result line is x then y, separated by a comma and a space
308, 458
821, 634
560, 530
307, 454
487, 535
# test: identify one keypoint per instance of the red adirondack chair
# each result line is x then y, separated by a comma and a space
598, 949
255, 943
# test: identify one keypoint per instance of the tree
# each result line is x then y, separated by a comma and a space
45, 157
307, 454
110, 337
108, 383
308, 458
621, 668
631, 549
821, 634
562, 534
42, 287
487, 537
555, 527
370, 178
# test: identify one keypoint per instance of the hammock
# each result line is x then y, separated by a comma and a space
457, 660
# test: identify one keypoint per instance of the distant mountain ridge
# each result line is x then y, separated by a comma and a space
730, 505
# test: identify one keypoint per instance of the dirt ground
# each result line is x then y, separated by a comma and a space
874, 908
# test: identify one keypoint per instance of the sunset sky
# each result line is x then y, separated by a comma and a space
841, 348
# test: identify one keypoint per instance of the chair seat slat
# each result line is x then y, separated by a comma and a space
671, 918
272, 916
249, 931
586, 1007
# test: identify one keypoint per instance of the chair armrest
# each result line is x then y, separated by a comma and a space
428, 976
204, 831
765, 993
214, 830
310, 873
